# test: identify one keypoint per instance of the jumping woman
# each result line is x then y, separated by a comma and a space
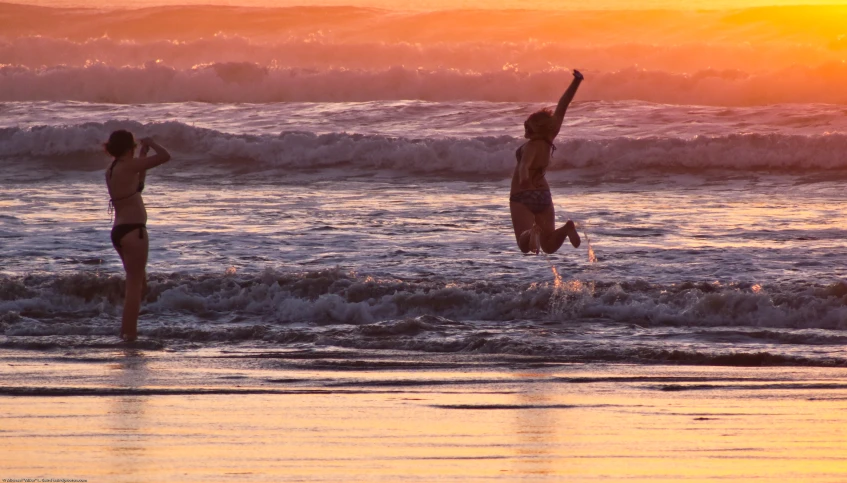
125, 181
530, 200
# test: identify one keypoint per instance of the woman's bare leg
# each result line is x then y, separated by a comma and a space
551, 238
522, 220
134, 256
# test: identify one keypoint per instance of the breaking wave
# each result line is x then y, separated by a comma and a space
82, 144
735, 57
51, 304
633, 322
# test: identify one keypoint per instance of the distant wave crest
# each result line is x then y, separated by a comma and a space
480, 56
228, 82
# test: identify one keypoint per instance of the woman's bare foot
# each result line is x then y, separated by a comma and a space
129, 335
573, 236
535, 239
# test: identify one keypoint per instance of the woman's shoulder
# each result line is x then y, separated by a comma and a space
121, 173
126, 167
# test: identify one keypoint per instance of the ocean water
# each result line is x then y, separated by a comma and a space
341, 182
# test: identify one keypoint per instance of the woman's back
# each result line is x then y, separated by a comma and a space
539, 152
125, 185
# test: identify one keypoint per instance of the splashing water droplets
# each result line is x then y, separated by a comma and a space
558, 300
568, 297
592, 258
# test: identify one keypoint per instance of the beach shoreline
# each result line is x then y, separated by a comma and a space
226, 415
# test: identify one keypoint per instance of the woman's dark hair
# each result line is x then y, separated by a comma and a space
119, 143
539, 124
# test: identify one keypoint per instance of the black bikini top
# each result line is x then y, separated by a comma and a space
519, 152
112, 201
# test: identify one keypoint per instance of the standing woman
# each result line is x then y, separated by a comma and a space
530, 200
125, 181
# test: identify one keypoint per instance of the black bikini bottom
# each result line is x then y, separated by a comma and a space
119, 231
536, 200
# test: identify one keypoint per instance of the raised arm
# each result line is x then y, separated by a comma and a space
565, 101
144, 162
142, 153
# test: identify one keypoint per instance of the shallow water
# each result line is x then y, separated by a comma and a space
314, 415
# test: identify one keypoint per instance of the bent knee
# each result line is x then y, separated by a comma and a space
549, 246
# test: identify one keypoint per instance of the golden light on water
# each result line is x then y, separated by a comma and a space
527, 424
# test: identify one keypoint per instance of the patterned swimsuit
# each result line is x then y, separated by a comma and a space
537, 200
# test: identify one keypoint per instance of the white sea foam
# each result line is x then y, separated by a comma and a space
335, 297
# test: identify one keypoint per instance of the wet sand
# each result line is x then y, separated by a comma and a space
132, 415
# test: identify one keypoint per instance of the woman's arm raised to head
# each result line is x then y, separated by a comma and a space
143, 163
565, 101
142, 175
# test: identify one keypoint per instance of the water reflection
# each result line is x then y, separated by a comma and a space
127, 422
536, 430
